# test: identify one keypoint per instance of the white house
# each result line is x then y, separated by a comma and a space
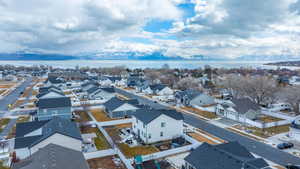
31, 136
239, 109
157, 125
294, 132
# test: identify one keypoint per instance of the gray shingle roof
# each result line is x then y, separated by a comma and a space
147, 115
189, 93
243, 105
230, 155
157, 87
54, 102
49, 127
53, 157
115, 102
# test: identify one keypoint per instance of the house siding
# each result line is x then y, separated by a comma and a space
47, 114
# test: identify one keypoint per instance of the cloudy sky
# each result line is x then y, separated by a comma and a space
216, 28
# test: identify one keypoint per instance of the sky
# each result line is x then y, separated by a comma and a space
185, 28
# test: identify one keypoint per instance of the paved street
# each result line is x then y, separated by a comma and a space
13, 96
254, 146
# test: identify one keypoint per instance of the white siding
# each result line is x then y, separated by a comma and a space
165, 92
126, 107
173, 129
22, 153
61, 140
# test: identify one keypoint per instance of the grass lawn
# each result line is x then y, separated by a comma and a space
211, 136
68, 93
100, 141
3, 123
268, 132
84, 117
243, 134
206, 114
201, 138
104, 163
130, 152
17, 104
269, 119
100, 115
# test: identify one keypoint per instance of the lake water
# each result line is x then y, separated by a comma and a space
144, 64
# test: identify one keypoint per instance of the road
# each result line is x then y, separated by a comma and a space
13, 96
266, 151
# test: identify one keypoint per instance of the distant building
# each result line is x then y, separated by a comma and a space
53, 156
230, 155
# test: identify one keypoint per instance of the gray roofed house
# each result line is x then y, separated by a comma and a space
117, 108
147, 115
191, 97
152, 125
53, 156
54, 106
103, 93
239, 109
230, 155
33, 135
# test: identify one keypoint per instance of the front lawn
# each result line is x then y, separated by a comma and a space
268, 132
206, 114
100, 115
201, 138
269, 119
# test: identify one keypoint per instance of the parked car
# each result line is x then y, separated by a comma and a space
292, 167
285, 145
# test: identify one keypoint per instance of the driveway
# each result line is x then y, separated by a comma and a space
259, 148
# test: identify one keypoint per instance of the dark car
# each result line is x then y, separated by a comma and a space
292, 167
21, 93
285, 145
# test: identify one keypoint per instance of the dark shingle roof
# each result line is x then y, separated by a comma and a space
108, 89
54, 102
157, 87
114, 78
53, 157
41, 94
243, 105
147, 115
54, 80
230, 155
49, 127
115, 102
92, 89
189, 93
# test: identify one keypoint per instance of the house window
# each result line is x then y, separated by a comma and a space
163, 124
149, 136
161, 134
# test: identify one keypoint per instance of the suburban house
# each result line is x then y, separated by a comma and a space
117, 108
152, 126
31, 136
52, 104
294, 132
112, 81
229, 155
158, 89
141, 84
55, 81
239, 109
193, 98
53, 156
49, 92
88, 85
96, 93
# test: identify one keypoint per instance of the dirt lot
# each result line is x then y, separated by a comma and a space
201, 138
206, 114
100, 115
104, 163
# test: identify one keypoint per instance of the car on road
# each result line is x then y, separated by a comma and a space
285, 145
292, 167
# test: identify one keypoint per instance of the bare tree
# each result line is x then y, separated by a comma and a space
291, 95
189, 83
260, 89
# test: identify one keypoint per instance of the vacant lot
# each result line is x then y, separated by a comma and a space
266, 132
100, 115
105, 163
201, 138
130, 152
206, 114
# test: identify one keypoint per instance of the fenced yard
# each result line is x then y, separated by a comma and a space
100, 141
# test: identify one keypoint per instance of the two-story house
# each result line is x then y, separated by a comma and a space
31, 136
152, 126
